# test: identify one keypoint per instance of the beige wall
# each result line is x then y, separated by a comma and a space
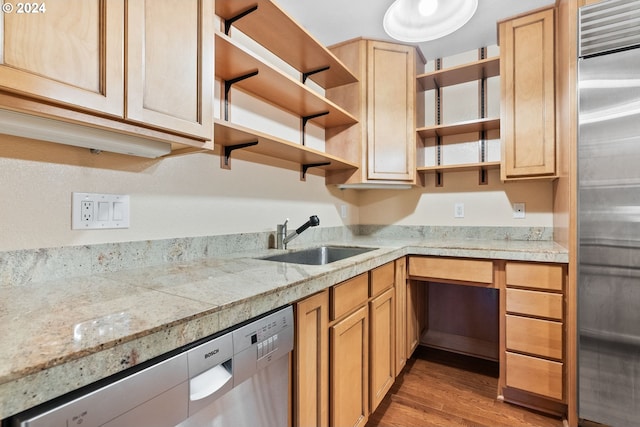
484, 205
191, 196
173, 197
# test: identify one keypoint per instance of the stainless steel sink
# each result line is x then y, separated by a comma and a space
320, 255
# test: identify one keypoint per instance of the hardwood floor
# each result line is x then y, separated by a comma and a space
439, 388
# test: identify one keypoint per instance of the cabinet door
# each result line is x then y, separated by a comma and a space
311, 362
528, 96
413, 316
401, 314
170, 65
391, 129
349, 384
382, 339
69, 54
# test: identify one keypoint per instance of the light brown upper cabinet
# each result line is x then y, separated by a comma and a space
170, 65
384, 102
71, 54
527, 125
77, 55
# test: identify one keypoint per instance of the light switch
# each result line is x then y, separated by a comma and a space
118, 211
103, 211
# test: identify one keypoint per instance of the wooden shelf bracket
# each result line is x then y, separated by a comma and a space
228, 149
305, 168
229, 22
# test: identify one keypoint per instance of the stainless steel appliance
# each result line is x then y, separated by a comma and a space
609, 213
239, 378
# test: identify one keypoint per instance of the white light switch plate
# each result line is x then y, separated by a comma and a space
91, 211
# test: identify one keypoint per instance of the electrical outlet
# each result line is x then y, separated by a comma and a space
458, 210
99, 211
343, 211
518, 210
86, 211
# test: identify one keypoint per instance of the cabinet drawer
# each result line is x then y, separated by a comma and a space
463, 270
534, 303
535, 336
535, 375
382, 278
348, 295
532, 275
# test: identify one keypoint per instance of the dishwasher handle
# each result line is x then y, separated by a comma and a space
211, 381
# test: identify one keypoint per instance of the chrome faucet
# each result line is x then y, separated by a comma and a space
281, 235
282, 238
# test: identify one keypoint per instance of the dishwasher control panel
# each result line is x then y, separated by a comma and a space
260, 343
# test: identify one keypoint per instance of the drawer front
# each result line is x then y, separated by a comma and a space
534, 303
535, 336
382, 278
535, 375
463, 270
348, 295
533, 275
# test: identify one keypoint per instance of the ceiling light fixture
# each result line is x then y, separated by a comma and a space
423, 20
427, 7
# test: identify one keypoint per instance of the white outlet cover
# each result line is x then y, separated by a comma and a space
103, 211
519, 210
458, 210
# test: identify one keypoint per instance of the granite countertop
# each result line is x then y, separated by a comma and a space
62, 334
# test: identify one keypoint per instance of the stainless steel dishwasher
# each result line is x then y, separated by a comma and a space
239, 378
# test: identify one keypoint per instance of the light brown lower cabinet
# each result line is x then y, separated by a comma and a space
533, 374
311, 361
352, 340
414, 309
535, 335
401, 313
382, 346
349, 372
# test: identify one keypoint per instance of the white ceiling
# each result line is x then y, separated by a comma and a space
333, 21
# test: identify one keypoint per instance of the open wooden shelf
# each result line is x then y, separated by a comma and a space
278, 32
459, 128
460, 344
483, 68
229, 134
460, 167
273, 85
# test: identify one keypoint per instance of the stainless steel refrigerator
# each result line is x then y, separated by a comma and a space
609, 213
